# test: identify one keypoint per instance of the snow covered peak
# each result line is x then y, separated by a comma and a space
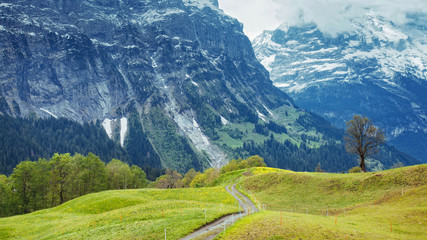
378, 69
401, 49
202, 3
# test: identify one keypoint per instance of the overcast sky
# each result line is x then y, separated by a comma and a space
331, 16
256, 15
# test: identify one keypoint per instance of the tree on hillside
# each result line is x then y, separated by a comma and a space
138, 177
22, 178
231, 166
198, 180
253, 161
189, 176
119, 174
92, 173
172, 179
363, 138
256, 161
40, 184
48, 183
318, 168
61, 175
4, 196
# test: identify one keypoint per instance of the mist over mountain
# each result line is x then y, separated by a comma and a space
176, 83
377, 68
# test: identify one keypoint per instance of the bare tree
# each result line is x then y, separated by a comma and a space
363, 138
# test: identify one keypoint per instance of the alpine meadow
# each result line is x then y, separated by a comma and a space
161, 119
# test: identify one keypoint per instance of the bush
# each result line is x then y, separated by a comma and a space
253, 161
397, 165
355, 170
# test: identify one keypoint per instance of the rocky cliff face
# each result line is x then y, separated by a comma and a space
183, 62
379, 70
175, 82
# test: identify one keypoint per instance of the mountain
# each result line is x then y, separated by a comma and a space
176, 83
23, 139
379, 70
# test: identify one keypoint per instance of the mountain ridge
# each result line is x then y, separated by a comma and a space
377, 70
181, 73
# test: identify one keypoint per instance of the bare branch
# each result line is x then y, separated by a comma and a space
363, 138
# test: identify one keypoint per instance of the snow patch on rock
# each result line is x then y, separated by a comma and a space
224, 121
268, 61
268, 110
123, 130
281, 84
262, 116
46, 111
108, 128
397, 131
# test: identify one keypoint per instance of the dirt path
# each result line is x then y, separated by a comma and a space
212, 229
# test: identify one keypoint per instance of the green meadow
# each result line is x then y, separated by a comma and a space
124, 214
390, 204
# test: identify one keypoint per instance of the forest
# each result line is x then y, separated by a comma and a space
332, 157
46, 183
33, 138
194, 179
286, 155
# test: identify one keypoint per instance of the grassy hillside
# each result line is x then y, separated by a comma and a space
124, 214
364, 205
235, 176
299, 205
321, 191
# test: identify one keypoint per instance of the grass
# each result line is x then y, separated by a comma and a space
321, 191
249, 135
408, 221
236, 176
364, 205
290, 113
123, 214
285, 115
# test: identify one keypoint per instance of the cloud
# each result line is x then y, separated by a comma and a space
256, 15
333, 16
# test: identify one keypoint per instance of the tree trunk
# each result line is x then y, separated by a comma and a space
35, 202
53, 198
61, 195
362, 163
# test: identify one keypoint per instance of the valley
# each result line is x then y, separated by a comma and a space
293, 204
154, 119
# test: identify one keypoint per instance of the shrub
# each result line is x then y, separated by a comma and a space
355, 170
253, 161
